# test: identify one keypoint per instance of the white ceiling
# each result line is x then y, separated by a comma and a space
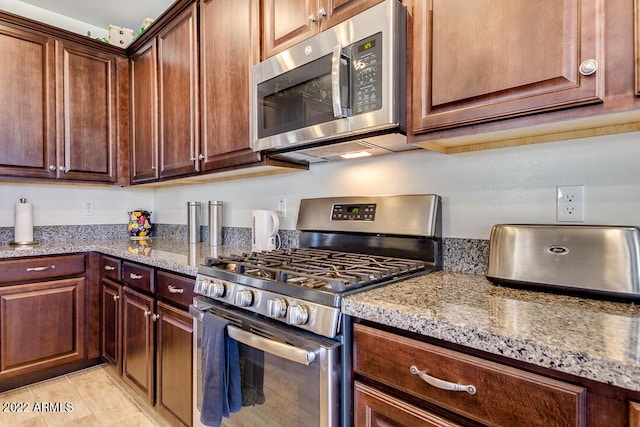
102, 13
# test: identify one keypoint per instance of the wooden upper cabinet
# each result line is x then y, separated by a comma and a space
27, 107
229, 47
178, 111
288, 22
87, 114
479, 61
144, 113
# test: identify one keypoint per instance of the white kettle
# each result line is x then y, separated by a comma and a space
264, 229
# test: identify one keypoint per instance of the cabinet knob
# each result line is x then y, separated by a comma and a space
62, 168
147, 313
588, 67
201, 157
52, 168
116, 297
312, 18
322, 13
155, 317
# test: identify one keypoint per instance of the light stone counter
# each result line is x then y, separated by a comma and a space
170, 254
599, 340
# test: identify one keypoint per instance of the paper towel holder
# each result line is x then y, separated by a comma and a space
30, 225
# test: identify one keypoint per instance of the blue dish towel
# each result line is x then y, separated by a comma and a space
221, 385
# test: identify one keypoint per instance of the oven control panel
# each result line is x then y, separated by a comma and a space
354, 212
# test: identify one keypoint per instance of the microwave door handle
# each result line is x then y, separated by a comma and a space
335, 81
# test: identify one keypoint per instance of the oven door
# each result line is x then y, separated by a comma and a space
293, 376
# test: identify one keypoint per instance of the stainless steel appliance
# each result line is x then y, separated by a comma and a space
603, 260
284, 305
346, 82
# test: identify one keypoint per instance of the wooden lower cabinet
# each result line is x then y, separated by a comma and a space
138, 342
42, 325
374, 408
111, 331
174, 361
634, 414
503, 396
147, 336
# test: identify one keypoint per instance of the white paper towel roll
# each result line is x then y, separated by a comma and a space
24, 222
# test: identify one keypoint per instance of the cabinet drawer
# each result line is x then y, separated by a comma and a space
27, 269
138, 276
110, 268
504, 395
175, 289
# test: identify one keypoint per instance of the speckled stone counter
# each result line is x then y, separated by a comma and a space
175, 255
593, 339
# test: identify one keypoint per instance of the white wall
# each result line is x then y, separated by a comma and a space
63, 204
479, 189
61, 21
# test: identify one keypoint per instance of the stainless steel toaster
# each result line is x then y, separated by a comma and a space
587, 258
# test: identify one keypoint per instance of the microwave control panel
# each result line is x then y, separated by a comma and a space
356, 212
366, 63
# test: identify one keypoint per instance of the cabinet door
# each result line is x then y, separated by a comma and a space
27, 107
178, 95
287, 22
87, 108
111, 332
144, 113
373, 408
138, 342
337, 11
479, 61
41, 325
174, 363
228, 48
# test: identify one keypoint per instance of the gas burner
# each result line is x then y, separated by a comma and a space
328, 270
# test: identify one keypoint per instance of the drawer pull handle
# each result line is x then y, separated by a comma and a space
175, 290
109, 268
444, 385
46, 267
135, 276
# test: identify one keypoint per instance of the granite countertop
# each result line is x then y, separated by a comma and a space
594, 339
171, 254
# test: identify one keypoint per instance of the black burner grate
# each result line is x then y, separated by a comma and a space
317, 268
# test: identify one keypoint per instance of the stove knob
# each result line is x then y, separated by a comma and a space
217, 289
298, 315
202, 286
277, 308
244, 298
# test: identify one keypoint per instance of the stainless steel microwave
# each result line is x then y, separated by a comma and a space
346, 81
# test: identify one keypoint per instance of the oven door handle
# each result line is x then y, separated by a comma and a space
276, 348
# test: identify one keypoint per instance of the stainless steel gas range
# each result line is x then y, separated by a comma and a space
283, 306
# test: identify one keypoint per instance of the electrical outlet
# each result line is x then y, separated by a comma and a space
87, 209
570, 203
282, 207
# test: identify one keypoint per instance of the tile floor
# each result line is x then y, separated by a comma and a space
91, 397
